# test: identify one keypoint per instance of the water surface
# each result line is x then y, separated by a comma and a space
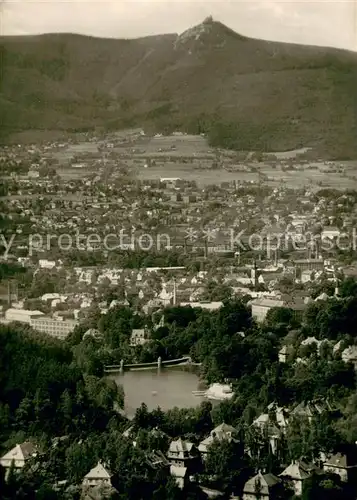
166, 388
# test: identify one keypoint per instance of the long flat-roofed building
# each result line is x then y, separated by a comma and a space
55, 327
22, 315
261, 307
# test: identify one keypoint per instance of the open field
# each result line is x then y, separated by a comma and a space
174, 145
191, 158
294, 179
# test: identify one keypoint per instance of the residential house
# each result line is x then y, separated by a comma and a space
182, 453
261, 487
285, 353
310, 409
116, 303
139, 337
272, 425
165, 296
18, 456
273, 432
275, 413
222, 432
344, 465
98, 476
296, 475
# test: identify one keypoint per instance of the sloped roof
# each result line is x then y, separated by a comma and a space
128, 431
265, 302
157, 459
222, 430
286, 349
98, 472
261, 482
180, 446
303, 408
296, 470
337, 460
20, 452
311, 408
27, 449
262, 419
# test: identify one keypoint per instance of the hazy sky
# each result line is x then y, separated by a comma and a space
331, 23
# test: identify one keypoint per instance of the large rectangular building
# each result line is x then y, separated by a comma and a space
55, 327
261, 307
22, 315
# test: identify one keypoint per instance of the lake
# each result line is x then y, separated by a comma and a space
166, 388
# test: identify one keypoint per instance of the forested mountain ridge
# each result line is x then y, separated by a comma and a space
245, 93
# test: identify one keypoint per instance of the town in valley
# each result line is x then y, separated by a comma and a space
178, 267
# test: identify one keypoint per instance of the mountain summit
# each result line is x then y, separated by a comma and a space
209, 31
245, 93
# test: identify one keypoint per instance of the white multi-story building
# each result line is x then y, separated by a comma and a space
22, 315
261, 307
55, 327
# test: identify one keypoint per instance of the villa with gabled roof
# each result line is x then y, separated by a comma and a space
222, 432
297, 473
18, 455
97, 476
261, 487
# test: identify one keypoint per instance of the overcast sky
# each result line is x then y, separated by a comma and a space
331, 23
